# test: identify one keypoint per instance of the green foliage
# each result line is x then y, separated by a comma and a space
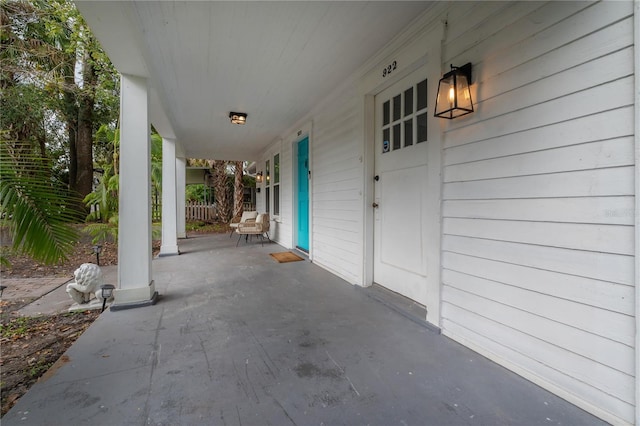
156, 161
109, 231
16, 328
104, 199
103, 231
194, 192
37, 208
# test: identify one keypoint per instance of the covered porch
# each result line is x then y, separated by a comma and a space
239, 339
515, 227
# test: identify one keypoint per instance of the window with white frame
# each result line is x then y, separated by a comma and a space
267, 188
276, 185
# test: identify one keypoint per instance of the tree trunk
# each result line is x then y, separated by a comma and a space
238, 194
84, 141
220, 187
70, 111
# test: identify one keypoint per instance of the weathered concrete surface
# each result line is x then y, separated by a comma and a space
239, 339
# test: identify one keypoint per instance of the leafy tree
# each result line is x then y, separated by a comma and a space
103, 200
50, 54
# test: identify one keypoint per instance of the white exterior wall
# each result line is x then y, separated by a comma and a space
336, 185
537, 194
335, 153
538, 197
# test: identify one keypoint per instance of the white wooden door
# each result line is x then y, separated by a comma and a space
400, 213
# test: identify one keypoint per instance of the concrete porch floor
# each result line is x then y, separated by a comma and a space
239, 339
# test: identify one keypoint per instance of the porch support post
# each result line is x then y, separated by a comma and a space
169, 245
135, 284
636, 41
181, 183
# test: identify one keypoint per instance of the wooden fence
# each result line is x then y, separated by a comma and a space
199, 210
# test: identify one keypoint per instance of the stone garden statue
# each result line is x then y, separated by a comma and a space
88, 280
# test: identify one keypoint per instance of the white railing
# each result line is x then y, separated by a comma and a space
199, 210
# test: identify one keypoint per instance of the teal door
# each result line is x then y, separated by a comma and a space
303, 195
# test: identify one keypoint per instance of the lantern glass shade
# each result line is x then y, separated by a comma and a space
454, 96
107, 291
259, 177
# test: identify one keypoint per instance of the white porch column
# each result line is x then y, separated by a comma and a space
181, 183
169, 245
135, 284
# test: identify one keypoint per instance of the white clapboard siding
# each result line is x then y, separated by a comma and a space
590, 292
493, 341
616, 123
597, 99
501, 36
603, 266
574, 314
594, 155
285, 228
608, 238
531, 37
336, 182
583, 183
582, 51
538, 197
605, 352
479, 18
573, 80
600, 210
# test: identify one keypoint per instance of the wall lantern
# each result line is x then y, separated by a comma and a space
454, 96
107, 292
238, 117
259, 177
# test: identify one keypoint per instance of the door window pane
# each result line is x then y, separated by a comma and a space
422, 95
408, 101
385, 113
396, 137
408, 132
276, 168
397, 105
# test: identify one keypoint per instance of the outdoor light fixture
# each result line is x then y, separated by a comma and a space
96, 250
238, 117
259, 177
454, 97
107, 292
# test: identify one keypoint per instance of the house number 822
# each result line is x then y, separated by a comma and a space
389, 69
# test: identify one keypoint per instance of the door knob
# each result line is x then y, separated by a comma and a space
375, 205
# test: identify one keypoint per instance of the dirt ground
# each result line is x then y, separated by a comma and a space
29, 346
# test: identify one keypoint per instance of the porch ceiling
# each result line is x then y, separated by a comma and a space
272, 60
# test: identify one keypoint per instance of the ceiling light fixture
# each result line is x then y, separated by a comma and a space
238, 117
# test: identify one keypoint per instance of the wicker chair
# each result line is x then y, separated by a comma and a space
259, 227
246, 217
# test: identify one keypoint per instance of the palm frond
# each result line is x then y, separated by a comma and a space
38, 211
